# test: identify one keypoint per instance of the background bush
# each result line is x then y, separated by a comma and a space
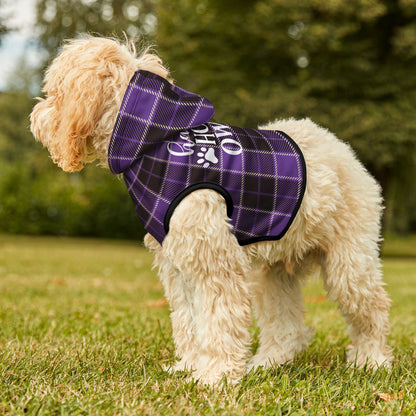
36, 197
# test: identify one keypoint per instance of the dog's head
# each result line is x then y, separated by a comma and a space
83, 88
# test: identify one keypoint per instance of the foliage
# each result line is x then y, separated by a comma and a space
38, 198
61, 19
87, 204
83, 332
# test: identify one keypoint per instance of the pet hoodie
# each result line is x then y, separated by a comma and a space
166, 147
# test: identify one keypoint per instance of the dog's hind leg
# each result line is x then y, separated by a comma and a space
352, 277
278, 306
213, 267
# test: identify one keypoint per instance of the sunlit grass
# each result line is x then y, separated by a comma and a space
83, 330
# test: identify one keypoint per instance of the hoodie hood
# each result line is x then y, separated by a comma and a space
152, 110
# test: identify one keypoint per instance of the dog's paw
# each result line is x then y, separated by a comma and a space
268, 361
181, 365
282, 351
215, 379
369, 357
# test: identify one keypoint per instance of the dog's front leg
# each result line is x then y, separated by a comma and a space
213, 270
179, 294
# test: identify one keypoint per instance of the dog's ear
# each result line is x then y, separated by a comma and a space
68, 115
83, 90
79, 106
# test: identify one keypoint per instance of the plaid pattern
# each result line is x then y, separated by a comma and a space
165, 146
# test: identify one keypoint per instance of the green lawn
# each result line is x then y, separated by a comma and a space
84, 330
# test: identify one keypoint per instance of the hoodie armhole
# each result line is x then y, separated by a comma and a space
202, 185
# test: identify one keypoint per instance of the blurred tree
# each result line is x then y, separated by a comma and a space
16, 141
61, 19
4, 27
350, 66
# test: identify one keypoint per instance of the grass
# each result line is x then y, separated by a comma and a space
84, 330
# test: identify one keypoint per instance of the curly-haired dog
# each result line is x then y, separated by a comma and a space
221, 248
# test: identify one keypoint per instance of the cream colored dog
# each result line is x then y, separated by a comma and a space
210, 281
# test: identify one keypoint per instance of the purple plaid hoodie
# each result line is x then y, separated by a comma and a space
166, 147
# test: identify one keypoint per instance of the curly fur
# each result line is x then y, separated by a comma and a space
84, 88
210, 281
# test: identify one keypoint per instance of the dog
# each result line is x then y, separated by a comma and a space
212, 278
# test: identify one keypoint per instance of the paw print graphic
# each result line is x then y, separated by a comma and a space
206, 156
